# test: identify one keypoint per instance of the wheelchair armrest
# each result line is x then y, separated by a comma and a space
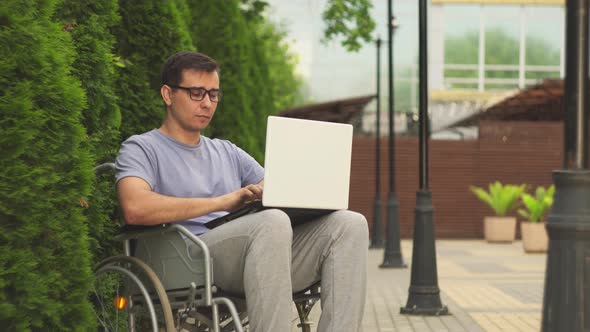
103, 168
129, 232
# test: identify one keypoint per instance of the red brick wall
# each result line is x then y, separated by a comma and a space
511, 152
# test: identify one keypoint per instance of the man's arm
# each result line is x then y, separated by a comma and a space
142, 206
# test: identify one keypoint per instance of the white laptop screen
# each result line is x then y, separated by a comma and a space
307, 164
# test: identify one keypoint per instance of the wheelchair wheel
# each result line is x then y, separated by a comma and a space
128, 296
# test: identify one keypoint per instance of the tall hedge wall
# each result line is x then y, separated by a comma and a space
149, 32
271, 75
233, 32
90, 23
44, 173
76, 78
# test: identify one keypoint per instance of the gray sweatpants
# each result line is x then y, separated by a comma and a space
263, 257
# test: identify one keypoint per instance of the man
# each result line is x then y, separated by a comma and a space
174, 174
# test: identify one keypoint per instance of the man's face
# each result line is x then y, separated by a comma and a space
189, 114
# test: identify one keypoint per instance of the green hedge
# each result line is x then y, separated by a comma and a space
45, 274
220, 31
273, 78
254, 68
149, 33
76, 78
90, 22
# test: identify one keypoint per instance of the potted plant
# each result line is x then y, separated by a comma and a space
534, 234
502, 199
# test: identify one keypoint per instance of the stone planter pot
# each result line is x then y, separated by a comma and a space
500, 229
534, 237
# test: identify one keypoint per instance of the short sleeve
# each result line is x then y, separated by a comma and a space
134, 159
250, 170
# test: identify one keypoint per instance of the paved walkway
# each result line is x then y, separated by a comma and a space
487, 287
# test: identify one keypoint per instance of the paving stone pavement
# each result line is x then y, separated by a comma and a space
487, 287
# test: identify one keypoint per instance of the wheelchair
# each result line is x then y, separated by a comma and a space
157, 286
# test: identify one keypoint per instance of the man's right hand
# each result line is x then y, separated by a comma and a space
237, 199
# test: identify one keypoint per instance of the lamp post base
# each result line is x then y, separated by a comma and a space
424, 295
424, 300
392, 257
566, 300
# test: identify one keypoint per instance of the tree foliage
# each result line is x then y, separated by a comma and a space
272, 73
220, 30
150, 31
284, 84
351, 20
90, 23
76, 77
45, 273
256, 69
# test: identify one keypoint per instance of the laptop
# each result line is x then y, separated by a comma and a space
306, 170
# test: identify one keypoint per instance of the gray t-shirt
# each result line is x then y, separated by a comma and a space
209, 169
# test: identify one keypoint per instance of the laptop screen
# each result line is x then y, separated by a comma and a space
307, 164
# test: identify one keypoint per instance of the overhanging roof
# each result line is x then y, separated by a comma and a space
541, 102
341, 111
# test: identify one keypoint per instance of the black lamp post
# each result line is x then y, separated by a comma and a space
424, 294
566, 301
377, 240
392, 257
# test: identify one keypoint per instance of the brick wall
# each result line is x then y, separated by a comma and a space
511, 152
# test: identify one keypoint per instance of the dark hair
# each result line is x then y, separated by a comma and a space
177, 63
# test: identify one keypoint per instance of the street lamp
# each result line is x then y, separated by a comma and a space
392, 257
424, 295
566, 300
377, 240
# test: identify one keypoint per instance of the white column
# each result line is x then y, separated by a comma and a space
482, 50
562, 49
436, 41
522, 52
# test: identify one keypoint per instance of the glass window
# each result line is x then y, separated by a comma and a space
462, 25
405, 57
544, 41
502, 46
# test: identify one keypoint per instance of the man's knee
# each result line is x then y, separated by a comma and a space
275, 226
352, 224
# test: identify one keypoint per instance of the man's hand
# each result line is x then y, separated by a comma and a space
142, 206
237, 199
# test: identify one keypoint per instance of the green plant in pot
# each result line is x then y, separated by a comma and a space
503, 199
534, 234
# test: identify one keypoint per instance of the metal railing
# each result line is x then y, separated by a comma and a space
519, 80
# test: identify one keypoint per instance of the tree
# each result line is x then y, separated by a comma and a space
273, 70
45, 275
257, 70
149, 33
349, 19
284, 84
220, 30
90, 23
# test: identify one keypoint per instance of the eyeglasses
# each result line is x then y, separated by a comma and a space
198, 93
